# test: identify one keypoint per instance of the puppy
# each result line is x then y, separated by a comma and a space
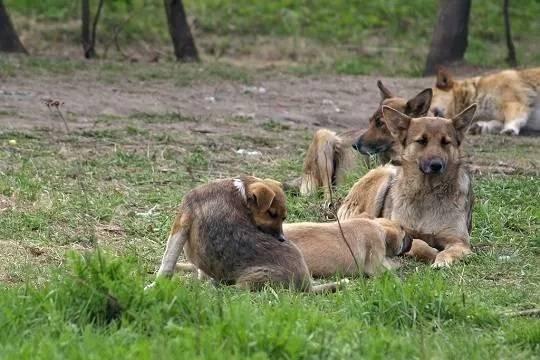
232, 231
372, 242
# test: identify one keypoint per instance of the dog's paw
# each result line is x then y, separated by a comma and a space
510, 132
442, 261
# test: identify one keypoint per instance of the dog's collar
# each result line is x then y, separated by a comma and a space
239, 185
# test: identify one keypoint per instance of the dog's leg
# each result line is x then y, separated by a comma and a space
515, 117
185, 267
421, 251
486, 127
454, 251
175, 244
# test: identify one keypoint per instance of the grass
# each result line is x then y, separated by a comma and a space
388, 37
83, 224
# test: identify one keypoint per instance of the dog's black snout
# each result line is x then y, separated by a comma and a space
406, 245
281, 237
438, 112
436, 166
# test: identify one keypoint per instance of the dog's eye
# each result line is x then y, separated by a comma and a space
272, 214
445, 141
422, 141
378, 123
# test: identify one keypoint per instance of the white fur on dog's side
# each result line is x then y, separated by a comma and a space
239, 185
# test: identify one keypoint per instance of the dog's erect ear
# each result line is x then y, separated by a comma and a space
262, 195
397, 123
444, 79
385, 93
419, 105
463, 120
275, 182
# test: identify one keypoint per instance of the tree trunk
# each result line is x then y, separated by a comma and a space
88, 48
9, 41
184, 45
511, 59
449, 40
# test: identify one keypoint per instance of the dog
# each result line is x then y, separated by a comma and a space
372, 241
232, 231
508, 101
330, 155
430, 193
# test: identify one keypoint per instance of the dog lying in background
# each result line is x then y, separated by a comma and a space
330, 155
372, 241
508, 101
430, 194
232, 231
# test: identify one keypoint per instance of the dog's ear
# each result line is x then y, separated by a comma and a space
419, 105
444, 79
397, 123
261, 195
463, 120
383, 90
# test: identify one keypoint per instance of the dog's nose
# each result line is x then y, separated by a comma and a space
438, 112
281, 237
436, 166
406, 244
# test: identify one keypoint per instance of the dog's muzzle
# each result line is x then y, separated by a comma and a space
368, 149
281, 237
406, 244
433, 166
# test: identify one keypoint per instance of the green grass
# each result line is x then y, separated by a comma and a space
99, 204
388, 37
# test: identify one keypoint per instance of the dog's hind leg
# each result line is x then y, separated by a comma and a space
515, 117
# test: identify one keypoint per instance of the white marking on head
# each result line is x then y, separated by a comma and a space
239, 185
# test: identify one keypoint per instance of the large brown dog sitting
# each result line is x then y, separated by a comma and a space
330, 155
430, 193
325, 246
232, 231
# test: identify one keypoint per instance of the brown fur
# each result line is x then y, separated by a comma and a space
508, 101
372, 242
330, 155
430, 193
231, 230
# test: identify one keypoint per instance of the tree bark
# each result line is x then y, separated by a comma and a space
449, 40
511, 59
184, 45
9, 40
88, 36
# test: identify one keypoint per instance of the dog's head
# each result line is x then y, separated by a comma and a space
432, 144
377, 138
443, 103
267, 204
397, 240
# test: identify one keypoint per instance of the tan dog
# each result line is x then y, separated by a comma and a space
232, 231
430, 193
508, 101
330, 155
372, 242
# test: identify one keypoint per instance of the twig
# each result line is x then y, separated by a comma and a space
337, 218
528, 312
511, 58
94, 25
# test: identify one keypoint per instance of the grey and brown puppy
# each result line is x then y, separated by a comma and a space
231, 230
372, 241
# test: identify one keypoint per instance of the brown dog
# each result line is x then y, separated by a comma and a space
232, 231
330, 155
508, 101
372, 242
430, 193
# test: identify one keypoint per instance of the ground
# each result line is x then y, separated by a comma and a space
103, 185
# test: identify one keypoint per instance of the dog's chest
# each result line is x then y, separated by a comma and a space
430, 214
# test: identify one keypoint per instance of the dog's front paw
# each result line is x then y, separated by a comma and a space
510, 132
442, 261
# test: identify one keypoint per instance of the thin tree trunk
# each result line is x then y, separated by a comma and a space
9, 40
88, 36
449, 40
511, 59
184, 45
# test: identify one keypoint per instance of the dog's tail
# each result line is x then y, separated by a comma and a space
323, 163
